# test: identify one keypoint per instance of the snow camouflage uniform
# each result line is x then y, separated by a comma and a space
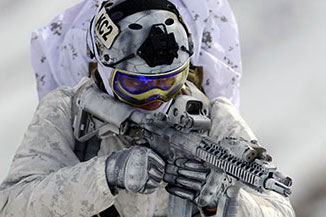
47, 179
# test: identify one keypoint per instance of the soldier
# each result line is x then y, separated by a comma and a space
142, 49
59, 56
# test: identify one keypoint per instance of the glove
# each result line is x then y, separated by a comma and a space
137, 169
190, 179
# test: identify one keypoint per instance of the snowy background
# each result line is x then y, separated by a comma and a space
283, 89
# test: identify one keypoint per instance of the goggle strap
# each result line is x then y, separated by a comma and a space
119, 61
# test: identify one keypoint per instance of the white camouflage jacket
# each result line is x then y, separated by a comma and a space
46, 178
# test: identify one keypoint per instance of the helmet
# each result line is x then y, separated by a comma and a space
143, 49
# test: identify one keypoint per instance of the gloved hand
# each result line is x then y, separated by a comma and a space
137, 169
190, 179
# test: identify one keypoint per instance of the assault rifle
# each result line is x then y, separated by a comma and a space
183, 131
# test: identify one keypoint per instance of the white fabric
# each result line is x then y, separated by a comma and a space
105, 73
59, 49
216, 44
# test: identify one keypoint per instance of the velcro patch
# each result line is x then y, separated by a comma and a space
105, 29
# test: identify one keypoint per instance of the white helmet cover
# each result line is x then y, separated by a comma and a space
121, 30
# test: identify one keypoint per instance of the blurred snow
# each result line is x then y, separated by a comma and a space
282, 89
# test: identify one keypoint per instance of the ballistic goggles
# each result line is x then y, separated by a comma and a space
140, 89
